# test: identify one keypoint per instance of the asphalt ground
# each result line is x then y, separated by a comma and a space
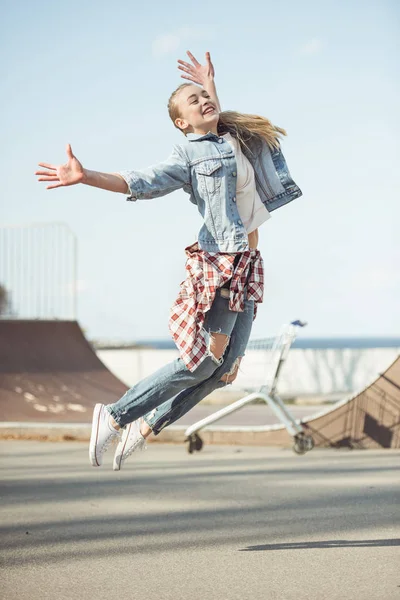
228, 523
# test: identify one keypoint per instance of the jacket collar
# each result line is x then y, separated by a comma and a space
195, 137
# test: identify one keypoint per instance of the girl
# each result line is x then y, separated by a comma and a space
232, 168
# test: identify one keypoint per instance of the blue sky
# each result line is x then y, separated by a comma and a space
99, 75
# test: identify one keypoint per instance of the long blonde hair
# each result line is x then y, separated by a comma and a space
240, 125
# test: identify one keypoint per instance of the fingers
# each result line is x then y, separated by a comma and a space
185, 66
69, 151
190, 79
45, 173
51, 178
192, 58
52, 187
190, 70
193, 75
47, 166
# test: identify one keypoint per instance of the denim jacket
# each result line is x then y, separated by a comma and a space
205, 168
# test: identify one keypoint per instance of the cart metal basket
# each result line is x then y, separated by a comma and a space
276, 350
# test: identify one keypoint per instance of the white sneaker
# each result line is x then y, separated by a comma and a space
103, 433
131, 440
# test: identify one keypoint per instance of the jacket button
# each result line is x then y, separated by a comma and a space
220, 141
233, 199
234, 173
240, 223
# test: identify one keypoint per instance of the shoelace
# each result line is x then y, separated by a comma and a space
109, 439
140, 444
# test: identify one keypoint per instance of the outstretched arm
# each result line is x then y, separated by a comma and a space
152, 182
73, 172
201, 74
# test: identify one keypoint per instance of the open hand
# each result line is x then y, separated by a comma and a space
196, 72
60, 175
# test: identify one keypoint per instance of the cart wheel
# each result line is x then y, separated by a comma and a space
190, 446
198, 444
309, 442
195, 443
299, 447
303, 443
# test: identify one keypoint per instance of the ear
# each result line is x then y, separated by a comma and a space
181, 124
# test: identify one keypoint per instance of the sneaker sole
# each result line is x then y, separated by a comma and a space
118, 457
94, 435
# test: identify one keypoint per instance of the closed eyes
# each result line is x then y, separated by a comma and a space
195, 101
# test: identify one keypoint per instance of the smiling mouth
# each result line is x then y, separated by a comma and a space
209, 110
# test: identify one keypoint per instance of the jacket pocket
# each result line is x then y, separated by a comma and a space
209, 175
207, 167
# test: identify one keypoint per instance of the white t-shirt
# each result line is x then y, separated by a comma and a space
250, 207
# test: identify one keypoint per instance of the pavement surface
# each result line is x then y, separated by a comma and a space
228, 523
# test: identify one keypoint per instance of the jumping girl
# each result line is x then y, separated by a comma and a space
232, 167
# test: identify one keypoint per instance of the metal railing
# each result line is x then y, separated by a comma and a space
38, 271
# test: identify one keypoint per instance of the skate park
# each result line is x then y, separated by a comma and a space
240, 495
284, 483
238, 510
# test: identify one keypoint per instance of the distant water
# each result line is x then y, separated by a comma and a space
305, 343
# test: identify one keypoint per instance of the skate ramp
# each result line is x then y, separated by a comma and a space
370, 419
50, 373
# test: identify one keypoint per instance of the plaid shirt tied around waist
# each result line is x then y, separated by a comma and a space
206, 272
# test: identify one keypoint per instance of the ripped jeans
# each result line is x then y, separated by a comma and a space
170, 392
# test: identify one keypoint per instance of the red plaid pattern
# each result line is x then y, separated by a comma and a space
206, 272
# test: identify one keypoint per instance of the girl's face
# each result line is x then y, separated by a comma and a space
198, 114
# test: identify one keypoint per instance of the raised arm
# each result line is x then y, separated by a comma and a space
201, 74
73, 172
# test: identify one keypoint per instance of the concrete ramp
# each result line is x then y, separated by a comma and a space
370, 419
50, 373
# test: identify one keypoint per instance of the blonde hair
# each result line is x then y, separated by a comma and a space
240, 125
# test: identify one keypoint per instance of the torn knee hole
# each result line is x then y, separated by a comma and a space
218, 343
232, 374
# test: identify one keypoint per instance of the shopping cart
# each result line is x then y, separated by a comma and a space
275, 350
